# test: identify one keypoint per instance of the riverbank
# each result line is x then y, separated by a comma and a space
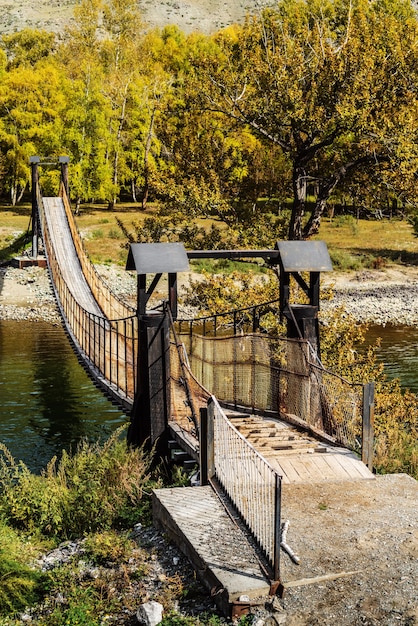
381, 297
388, 296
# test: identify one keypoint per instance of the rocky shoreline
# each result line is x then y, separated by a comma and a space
382, 298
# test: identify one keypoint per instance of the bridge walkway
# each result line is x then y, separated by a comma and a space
66, 254
298, 456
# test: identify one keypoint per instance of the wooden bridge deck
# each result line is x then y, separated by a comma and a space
66, 254
298, 456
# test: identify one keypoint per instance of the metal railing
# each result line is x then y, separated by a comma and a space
109, 348
248, 319
251, 483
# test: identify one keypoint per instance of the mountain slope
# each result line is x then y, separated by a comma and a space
190, 15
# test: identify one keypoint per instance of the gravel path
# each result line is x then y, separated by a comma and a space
386, 297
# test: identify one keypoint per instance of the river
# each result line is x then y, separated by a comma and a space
399, 352
47, 401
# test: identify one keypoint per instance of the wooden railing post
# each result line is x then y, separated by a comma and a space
34, 162
368, 425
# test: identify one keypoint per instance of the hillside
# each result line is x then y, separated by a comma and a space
190, 15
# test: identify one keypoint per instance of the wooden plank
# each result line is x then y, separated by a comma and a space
285, 469
341, 472
354, 466
326, 471
295, 468
314, 469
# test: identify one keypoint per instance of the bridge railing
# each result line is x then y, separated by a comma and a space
276, 376
110, 304
245, 320
109, 347
251, 483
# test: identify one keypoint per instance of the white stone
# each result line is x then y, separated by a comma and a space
150, 613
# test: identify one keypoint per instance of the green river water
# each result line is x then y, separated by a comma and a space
47, 401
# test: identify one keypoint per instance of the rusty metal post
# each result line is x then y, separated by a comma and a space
206, 446
368, 425
277, 527
34, 161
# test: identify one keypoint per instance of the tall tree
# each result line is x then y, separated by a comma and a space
330, 83
31, 105
87, 112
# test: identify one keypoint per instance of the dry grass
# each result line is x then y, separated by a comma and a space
380, 241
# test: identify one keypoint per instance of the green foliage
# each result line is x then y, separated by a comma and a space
174, 227
109, 546
220, 292
298, 102
259, 231
20, 584
96, 488
17, 245
345, 261
83, 605
296, 76
396, 411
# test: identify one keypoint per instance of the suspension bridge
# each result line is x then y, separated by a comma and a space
253, 412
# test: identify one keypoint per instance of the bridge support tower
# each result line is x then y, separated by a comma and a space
35, 162
152, 405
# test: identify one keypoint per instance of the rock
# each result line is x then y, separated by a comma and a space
150, 613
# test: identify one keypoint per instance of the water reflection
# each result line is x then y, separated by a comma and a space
47, 401
398, 351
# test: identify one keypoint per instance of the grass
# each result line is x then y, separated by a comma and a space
353, 244
367, 243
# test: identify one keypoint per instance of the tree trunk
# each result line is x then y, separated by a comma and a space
299, 203
146, 159
13, 195
20, 194
133, 191
312, 227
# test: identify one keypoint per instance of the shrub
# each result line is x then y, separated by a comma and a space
20, 585
100, 486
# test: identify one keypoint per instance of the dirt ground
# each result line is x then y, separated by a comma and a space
358, 548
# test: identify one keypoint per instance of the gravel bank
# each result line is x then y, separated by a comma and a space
26, 294
386, 297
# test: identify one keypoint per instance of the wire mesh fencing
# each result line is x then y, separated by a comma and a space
276, 376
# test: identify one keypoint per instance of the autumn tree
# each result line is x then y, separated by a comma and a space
31, 105
330, 83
